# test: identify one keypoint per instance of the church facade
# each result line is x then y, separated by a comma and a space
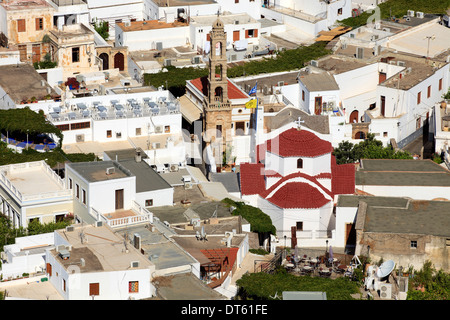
295, 181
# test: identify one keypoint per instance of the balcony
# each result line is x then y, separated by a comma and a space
120, 218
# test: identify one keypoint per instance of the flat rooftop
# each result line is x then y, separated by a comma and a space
417, 41
105, 250
147, 179
25, 4
208, 20
149, 25
96, 171
337, 64
399, 172
32, 178
162, 253
30, 84
178, 3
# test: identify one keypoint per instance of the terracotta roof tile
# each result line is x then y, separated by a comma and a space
252, 178
233, 91
298, 195
298, 143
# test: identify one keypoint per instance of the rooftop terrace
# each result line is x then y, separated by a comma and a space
32, 181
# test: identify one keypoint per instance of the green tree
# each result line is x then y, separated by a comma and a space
436, 284
370, 148
259, 221
102, 28
264, 286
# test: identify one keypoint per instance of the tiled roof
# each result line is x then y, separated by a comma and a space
343, 181
298, 195
292, 176
233, 91
298, 143
252, 178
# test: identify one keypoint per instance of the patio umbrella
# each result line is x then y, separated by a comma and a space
330, 250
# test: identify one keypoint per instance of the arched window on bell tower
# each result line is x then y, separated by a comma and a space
218, 94
219, 72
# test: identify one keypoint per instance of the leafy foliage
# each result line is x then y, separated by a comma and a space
47, 63
284, 61
259, 221
398, 8
370, 148
263, 286
102, 29
52, 158
436, 284
175, 77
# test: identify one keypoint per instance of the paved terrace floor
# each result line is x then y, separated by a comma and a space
26, 180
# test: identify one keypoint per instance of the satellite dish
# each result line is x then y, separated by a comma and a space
385, 269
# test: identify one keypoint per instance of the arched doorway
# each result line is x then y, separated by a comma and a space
119, 61
105, 58
354, 117
360, 135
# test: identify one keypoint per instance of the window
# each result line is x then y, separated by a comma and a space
39, 24
118, 135
108, 133
77, 194
303, 95
59, 217
84, 196
149, 202
219, 131
21, 25
385, 134
299, 225
166, 129
63, 127
413, 244
236, 1
440, 84
94, 289
240, 128
138, 131
383, 105
64, 285
76, 54
80, 125
418, 97
70, 183
133, 286
429, 92
418, 123
339, 11
251, 33
299, 163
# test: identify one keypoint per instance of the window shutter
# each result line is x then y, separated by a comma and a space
94, 289
49, 269
255, 33
246, 33
208, 37
21, 25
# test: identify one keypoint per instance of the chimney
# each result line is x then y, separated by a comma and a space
138, 156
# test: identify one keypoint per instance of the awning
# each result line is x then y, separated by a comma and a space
189, 110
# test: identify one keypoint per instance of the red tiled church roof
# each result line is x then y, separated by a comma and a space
296, 143
343, 177
252, 178
294, 195
233, 91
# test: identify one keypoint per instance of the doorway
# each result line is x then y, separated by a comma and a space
105, 60
119, 199
119, 61
318, 105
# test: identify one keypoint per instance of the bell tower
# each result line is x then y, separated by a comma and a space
217, 109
